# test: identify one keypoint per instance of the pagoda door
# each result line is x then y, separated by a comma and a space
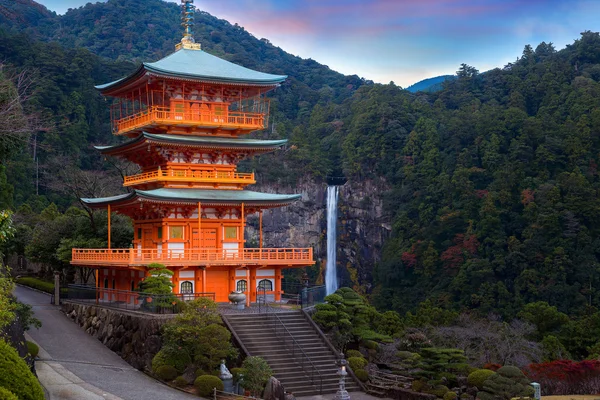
148, 242
207, 243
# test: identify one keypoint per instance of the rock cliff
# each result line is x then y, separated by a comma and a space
362, 227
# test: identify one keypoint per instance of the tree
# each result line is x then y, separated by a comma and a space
507, 383
158, 283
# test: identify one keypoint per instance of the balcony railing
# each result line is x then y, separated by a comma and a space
187, 257
212, 118
173, 175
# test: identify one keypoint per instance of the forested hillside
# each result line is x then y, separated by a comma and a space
494, 201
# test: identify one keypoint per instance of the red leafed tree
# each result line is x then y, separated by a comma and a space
455, 255
565, 377
527, 196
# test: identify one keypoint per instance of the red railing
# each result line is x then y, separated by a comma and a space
190, 176
212, 118
127, 257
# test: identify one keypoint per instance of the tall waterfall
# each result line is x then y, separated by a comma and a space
331, 283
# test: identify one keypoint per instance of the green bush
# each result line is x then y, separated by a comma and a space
176, 357
180, 382
33, 349
36, 283
205, 384
476, 378
357, 363
439, 391
16, 376
371, 345
237, 373
353, 353
506, 383
257, 375
450, 396
361, 374
6, 394
166, 372
418, 385
200, 372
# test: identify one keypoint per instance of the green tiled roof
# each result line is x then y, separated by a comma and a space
233, 197
200, 141
197, 64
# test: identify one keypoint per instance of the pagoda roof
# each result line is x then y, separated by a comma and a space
197, 65
208, 197
204, 142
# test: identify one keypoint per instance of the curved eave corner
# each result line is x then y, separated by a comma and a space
104, 201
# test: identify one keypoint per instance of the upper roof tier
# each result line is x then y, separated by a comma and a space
195, 65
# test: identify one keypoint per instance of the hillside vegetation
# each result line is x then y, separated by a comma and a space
494, 201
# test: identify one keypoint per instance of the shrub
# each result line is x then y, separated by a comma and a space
36, 283
200, 372
180, 382
450, 396
237, 373
506, 383
166, 372
6, 394
371, 344
16, 376
353, 353
205, 384
357, 363
257, 375
566, 377
174, 356
439, 390
476, 378
419, 384
492, 366
361, 374
33, 349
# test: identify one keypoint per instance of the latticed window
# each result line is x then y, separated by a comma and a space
242, 286
187, 287
265, 284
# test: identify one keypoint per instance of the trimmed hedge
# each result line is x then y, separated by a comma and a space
169, 355
36, 283
205, 384
166, 372
362, 375
180, 382
357, 363
33, 349
16, 376
353, 353
478, 377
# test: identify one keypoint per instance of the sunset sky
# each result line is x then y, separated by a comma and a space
403, 40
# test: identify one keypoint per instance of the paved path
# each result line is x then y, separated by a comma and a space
74, 365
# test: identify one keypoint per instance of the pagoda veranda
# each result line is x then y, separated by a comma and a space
186, 119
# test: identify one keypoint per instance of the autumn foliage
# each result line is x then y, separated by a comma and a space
563, 377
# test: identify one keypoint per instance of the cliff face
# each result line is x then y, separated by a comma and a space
361, 229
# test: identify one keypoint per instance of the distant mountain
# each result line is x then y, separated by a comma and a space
430, 84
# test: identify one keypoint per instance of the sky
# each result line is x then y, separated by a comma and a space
403, 41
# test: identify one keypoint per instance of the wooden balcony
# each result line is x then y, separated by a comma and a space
214, 118
187, 176
192, 257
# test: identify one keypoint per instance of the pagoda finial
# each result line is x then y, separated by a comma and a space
187, 20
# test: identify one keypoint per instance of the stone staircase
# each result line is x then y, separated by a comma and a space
256, 333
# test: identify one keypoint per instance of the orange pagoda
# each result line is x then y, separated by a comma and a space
186, 118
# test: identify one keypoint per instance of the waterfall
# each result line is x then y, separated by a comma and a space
331, 283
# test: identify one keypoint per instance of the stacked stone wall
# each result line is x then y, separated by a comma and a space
133, 336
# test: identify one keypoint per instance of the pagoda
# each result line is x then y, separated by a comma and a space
186, 119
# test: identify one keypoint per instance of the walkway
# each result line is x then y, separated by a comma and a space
74, 365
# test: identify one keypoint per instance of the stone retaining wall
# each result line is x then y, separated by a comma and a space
133, 336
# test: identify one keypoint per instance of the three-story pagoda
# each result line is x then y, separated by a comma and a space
186, 118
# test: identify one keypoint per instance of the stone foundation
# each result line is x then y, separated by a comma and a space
133, 336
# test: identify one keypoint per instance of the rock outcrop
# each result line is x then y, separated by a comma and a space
362, 226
